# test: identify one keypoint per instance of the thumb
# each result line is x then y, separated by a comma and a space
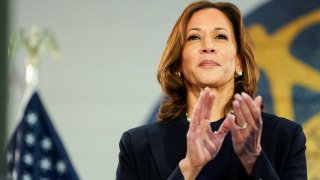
258, 101
225, 126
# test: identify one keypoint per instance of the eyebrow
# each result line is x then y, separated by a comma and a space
216, 29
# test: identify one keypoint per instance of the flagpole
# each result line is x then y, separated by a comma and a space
3, 84
35, 150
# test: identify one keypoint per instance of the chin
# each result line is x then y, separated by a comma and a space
209, 80
208, 83
213, 82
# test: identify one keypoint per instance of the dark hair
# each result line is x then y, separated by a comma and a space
173, 86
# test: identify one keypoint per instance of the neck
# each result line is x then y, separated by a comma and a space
221, 98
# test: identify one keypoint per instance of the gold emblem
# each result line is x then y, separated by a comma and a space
284, 71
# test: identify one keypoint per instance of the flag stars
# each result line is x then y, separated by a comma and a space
31, 118
45, 164
35, 150
30, 139
46, 143
28, 159
61, 167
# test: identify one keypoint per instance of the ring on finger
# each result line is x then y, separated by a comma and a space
244, 126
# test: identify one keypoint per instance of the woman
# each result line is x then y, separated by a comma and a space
210, 127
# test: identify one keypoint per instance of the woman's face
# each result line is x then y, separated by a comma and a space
209, 56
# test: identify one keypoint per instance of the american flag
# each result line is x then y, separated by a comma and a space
35, 150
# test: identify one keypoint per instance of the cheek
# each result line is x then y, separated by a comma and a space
229, 62
186, 53
187, 57
229, 55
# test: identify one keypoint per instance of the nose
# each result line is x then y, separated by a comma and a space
207, 50
207, 46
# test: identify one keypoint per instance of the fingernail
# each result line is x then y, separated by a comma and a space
232, 116
245, 94
235, 103
237, 96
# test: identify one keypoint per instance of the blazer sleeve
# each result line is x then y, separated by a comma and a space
295, 163
176, 174
127, 165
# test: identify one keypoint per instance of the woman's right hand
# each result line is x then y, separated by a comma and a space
202, 143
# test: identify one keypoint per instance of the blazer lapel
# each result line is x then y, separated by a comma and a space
268, 129
168, 144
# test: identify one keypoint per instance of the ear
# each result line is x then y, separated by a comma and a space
239, 66
178, 71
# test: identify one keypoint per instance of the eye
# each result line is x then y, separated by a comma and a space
222, 36
193, 37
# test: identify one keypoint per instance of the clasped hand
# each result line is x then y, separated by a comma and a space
245, 125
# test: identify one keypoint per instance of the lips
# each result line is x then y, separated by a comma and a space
208, 63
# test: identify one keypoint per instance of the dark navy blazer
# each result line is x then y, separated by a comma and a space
153, 152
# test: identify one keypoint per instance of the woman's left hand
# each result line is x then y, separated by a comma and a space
246, 129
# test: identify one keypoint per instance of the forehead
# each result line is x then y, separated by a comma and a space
210, 17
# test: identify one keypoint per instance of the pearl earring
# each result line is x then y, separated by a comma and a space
178, 74
238, 74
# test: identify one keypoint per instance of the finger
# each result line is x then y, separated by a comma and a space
204, 127
235, 131
225, 126
254, 108
205, 103
195, 118
258, 102
204, 100
240, 119
201, 105
209, 103
247, 116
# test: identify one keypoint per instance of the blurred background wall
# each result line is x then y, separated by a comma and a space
105, 81
3, 82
